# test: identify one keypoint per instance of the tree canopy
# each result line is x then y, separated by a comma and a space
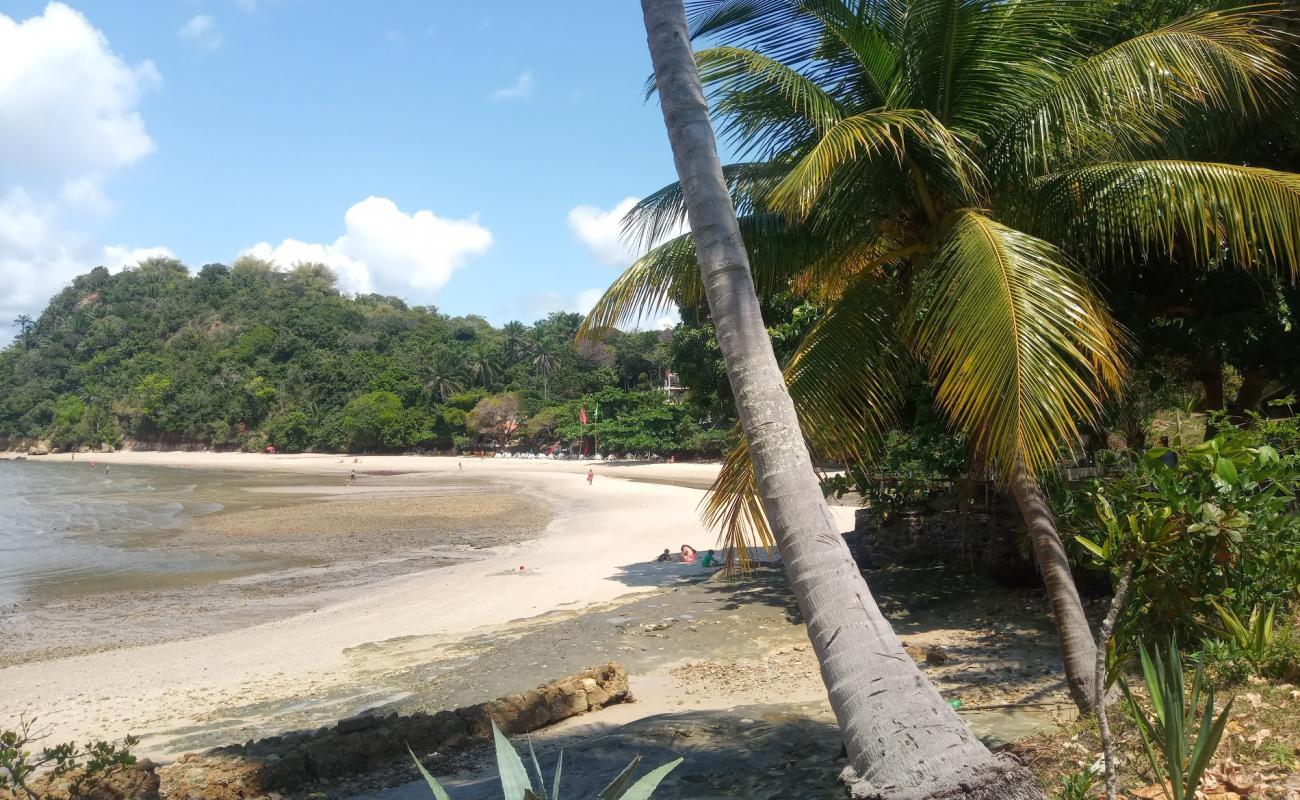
249, 355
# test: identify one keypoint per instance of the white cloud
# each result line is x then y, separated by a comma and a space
69, 101
116, 257
520, 89
544, 302
201, 31
71, 120
386, 250
602, 232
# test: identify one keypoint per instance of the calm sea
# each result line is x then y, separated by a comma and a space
69, 527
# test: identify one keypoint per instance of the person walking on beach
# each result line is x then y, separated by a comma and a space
591, 476
352, 479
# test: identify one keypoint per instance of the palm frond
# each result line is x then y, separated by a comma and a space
663, 213
761, 105
1212, 210
670, 275
846, 380
1123, 99
1019, 348
871, 135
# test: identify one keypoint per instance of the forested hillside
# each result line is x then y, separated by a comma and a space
249, 356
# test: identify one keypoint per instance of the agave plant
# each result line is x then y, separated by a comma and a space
1175, 757
1252, 637
517, 785
937, 174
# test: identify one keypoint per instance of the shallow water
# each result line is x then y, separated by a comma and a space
68, 528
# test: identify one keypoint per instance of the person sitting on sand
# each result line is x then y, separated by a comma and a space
708, 560
688, 554
665, 556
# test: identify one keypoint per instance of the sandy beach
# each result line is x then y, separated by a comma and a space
332, 656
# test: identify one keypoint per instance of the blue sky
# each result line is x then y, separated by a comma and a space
230, 125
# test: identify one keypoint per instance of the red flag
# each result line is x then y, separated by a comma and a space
582, 415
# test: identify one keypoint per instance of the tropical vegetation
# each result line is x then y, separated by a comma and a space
946, 182
253, 355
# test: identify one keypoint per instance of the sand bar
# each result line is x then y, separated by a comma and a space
593, 551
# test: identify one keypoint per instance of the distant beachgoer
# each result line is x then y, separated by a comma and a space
460, 465
708, 559
106, 468
688, 554
665, 556
72, 456
92, 463
591, 476
352, 478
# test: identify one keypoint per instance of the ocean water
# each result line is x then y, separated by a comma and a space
69, 527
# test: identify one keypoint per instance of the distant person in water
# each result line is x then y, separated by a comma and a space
106, 468
708, 560
352, 478
591, 476
688, 554
666, 555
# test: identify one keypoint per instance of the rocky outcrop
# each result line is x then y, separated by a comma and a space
139, 781
368, 741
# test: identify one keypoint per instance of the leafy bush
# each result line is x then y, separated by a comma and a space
19, 764
1233, 538
913, 464
517, 785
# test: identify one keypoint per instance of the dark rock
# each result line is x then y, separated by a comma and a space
359, 722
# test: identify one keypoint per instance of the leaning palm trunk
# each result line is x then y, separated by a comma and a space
902, 740
1078, 651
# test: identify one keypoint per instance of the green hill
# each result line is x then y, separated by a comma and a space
249, 356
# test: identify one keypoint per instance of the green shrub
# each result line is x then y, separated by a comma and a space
1235, 542
19, 764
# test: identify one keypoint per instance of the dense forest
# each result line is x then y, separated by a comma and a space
249, 356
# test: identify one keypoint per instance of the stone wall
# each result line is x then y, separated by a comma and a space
356, 745
984, 539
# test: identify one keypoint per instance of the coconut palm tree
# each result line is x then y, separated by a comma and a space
483, 366
515, 340
902, 739
936, 173
25, 326
545, 360
443, 376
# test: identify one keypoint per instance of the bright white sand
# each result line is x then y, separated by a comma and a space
578, 562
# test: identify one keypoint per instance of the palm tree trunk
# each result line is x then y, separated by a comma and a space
1078, 651
902, 739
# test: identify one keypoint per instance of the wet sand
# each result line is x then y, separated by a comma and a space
279, 548
310, 641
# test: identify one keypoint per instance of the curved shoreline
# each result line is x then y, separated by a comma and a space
593, 552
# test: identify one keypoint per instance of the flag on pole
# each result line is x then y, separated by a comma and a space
597, 415
582, 415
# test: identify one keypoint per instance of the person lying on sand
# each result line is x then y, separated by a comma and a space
688, 554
